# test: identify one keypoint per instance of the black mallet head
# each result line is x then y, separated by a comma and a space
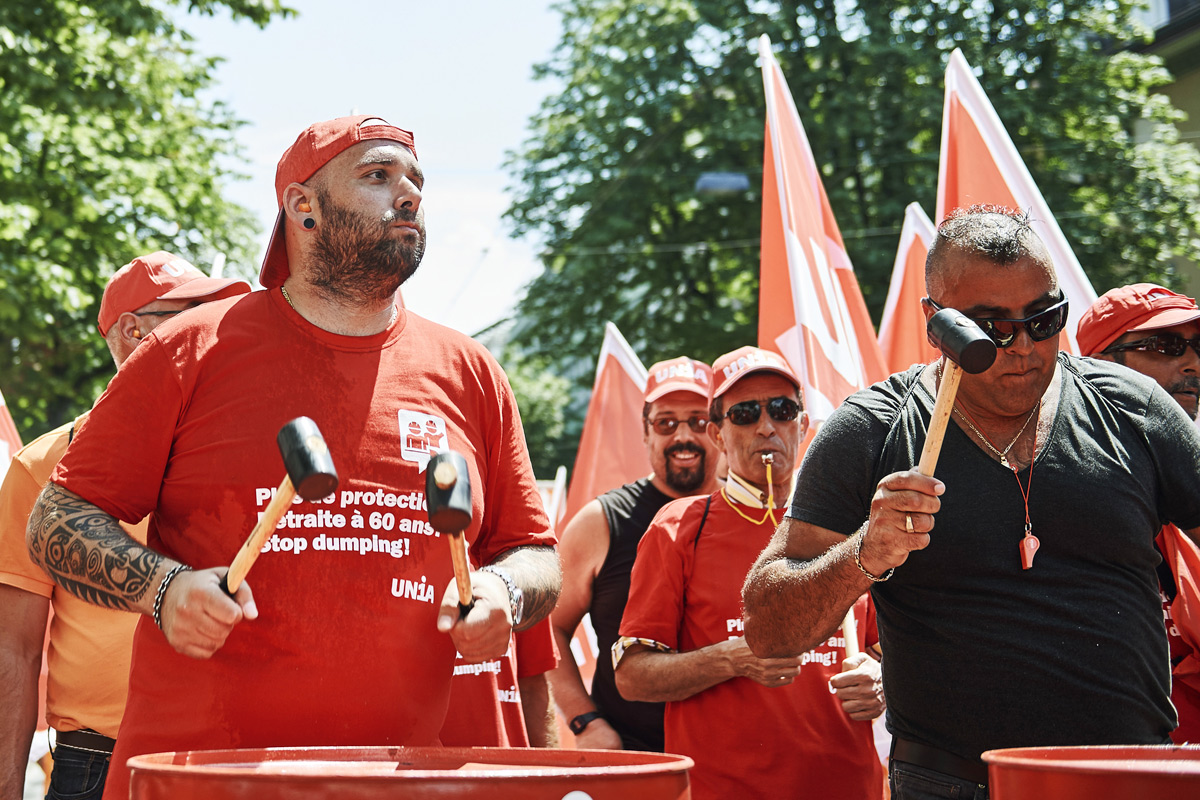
307, 459
961, 341
448, 492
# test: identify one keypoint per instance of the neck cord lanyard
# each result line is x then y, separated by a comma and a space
1029, 543
750, 489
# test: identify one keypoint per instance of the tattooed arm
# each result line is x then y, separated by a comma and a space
86, 552
485, 631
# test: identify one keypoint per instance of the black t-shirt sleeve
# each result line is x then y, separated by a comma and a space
837, 476
1174, 443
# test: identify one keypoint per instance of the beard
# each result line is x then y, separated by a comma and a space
360, 259
687, 479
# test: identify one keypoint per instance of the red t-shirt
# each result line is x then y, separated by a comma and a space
345, 650
747, 740
486, 709
1181, 557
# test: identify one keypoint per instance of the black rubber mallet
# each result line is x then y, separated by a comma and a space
966, 348
310, 474
448, 501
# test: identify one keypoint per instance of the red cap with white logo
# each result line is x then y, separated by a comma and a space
160, 276
732, 367
681, 374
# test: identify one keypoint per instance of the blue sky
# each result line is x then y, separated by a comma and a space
457, 74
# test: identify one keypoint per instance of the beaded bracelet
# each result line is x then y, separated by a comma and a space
862, 569
162, 592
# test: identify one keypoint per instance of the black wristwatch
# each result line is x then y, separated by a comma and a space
580, 723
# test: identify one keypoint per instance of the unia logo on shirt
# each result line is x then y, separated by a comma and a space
421, 437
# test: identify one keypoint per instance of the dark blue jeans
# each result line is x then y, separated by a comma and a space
78, 774
910, 782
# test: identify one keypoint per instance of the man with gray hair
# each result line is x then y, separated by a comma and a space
1016, 593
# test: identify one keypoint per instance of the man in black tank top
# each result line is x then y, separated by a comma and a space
597, 550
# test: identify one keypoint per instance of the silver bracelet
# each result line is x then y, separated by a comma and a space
162, 592
862, 569
516, 598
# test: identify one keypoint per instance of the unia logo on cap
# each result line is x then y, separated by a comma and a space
421, 437
177, 268
685, 370
755, 358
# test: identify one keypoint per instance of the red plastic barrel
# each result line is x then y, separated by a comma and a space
1090, 773
416, 773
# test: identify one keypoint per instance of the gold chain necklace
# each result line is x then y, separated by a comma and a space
286, 296
1003, 454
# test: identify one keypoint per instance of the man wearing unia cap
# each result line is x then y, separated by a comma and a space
1156, 332
756, 727
600, 543
350, 634
89, 646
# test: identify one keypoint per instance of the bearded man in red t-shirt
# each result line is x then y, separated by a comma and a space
350, 634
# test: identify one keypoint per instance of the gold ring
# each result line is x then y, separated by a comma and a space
908, 526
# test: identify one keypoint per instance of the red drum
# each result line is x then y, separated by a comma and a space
1090, 773
413, 773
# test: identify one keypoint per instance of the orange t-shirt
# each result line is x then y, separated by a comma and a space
345, 650
747, 740
486, 709
88, 654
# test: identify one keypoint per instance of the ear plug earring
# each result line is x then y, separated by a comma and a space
310, 223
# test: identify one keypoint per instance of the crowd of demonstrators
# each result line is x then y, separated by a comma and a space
1011, 611
599, 544
1156, 332
755, 727
984, 647
285, 665
88, 646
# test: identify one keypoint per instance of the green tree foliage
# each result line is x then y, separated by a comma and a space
542, 398
107, 151
655, 93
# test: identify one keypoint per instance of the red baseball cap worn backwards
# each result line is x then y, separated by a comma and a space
160, 276
732, 367
1138, 307
315, 147
681, 374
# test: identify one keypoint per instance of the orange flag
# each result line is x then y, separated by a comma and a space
810, 308
10, 440
611, 452
902, 330
980, 164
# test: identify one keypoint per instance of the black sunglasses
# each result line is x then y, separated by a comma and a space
158, 313
1041, 326
1171, 345
667, 425
780, 409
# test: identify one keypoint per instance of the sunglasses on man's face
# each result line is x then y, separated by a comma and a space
665, 426
1171, 345
1040, 326
780, 409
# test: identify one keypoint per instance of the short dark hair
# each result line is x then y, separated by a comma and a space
1001, 235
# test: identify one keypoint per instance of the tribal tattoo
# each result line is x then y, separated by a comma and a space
87, 552
535, 569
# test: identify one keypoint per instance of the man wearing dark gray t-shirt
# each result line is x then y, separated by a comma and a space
1016, 593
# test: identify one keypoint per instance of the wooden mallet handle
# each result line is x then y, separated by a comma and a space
249, 553
965, 348
448, 501
850, 633
942, 408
